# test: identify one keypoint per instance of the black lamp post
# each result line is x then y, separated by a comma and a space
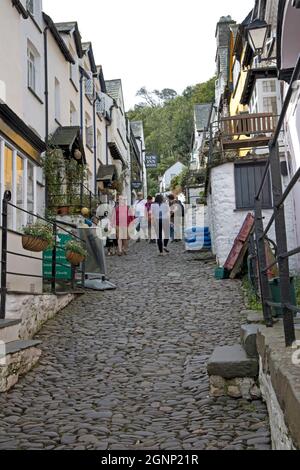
257, 33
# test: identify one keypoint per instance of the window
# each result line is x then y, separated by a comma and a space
99, 145
19, 177
270, 105
89, 88
30, 6
269, 86
8, 179
57, 99
89, 132
73, 115
73, 69
30, 190
20, 191
248, 177
31, 70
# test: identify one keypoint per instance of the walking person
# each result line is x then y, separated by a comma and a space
110, 234
140, 214
123, 219
148, 207
161, 223
172, 202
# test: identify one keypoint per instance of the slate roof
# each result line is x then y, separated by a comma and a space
60, 42
21, 9
65, 136
67, 28
106, 173
113, 88
248, 19
137, 128
202, 115
87, 48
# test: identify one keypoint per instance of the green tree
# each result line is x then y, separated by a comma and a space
168, 123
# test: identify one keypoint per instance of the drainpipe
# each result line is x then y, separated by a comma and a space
46, 84
46, 92
108, 124
142, 162
83, 75
95, 144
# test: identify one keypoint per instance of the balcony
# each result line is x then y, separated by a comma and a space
246, 130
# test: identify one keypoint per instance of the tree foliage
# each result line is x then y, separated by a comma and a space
168, 124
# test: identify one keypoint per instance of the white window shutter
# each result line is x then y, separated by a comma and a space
89, 87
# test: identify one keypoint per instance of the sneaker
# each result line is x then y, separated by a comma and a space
167, 251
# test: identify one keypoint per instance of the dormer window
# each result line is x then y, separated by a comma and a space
30, 6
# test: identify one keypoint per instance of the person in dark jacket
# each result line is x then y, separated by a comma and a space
161, 223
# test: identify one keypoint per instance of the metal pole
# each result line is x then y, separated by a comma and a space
281, 240
83, 275
53, 282
262, 263
253, 262
6, 199
73, 274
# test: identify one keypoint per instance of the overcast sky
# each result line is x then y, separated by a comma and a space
153, 43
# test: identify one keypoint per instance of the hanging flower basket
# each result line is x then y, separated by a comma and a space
37, 237
63, 210
34, 244
74, 258
75, 253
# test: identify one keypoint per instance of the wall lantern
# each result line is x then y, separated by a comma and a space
257, 33
77, 155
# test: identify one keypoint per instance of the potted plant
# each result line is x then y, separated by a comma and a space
37, 237
75, 253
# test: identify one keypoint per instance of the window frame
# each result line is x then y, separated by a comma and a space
26, 161
57, 100
31, 69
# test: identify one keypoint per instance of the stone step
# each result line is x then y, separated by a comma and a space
253, 316
16, 359
9, 330
248, 339
17, 346
230, 362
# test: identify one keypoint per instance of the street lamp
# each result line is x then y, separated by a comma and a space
257, 33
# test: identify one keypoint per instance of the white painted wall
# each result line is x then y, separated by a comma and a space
173, 171
225, 222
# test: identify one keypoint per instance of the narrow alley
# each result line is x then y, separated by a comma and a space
126, 369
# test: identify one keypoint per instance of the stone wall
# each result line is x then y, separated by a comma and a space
16, 365
34, 311
280, 386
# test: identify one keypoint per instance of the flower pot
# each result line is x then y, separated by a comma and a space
74, 258
34, 244
65, 210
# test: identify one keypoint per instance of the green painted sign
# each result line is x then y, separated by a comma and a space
62, 272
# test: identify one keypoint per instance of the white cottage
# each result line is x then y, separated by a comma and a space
172, 172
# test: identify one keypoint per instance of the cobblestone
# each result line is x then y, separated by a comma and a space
126, 369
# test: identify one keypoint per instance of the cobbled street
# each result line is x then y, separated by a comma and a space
126, 369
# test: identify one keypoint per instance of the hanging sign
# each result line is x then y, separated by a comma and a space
151, 161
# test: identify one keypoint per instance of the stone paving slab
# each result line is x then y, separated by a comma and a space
126, 369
